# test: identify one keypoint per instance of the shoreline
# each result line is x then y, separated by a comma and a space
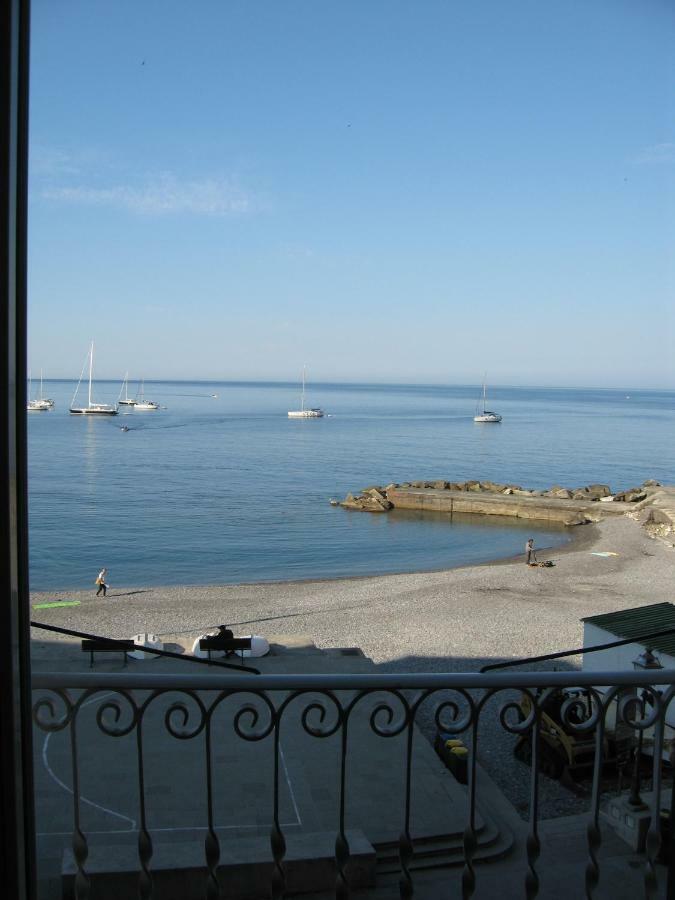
582, 536
452, 620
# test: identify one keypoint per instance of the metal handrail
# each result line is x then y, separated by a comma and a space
451, 680
639, 638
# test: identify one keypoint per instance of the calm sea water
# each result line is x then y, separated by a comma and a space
228, 489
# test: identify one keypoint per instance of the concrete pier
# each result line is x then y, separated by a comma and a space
577, 506
565, 512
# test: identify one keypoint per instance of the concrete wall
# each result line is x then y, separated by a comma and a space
566, 512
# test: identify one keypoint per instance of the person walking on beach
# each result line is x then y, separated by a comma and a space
100, 581
529, 551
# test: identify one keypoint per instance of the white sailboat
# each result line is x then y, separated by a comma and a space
487, 415
305, 412
42, 398
91, 409
40, 404
126, 400
141, 402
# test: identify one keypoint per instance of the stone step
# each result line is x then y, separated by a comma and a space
445, 851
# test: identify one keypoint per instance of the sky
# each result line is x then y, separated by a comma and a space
383, 190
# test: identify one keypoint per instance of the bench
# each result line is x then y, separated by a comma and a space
225, 644
107, 645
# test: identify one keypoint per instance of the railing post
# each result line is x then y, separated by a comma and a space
533, 846
277, 840
342, 851
211, 842
593, 833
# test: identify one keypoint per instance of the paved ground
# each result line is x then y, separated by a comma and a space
108, 786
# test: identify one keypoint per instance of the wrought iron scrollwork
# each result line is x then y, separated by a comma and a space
324, 707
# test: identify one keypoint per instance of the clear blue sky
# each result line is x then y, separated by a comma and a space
383, 190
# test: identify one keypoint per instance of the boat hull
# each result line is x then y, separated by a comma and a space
305, 414
93, 412
488, 418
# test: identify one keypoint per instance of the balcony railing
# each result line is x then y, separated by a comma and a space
231, 714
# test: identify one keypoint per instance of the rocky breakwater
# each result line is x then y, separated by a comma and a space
372, 499
566, 506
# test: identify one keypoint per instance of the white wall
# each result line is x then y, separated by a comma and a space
619, 658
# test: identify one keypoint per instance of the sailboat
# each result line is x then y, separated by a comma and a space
305, 412
141, 402
40, 404
126, 400
486, 415
91, 409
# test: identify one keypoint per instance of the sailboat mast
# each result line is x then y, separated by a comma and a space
40, 384
91, 366
302, 401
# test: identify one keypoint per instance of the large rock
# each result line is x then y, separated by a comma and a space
634, 495
599, 490
419, 484
492, 487
440, 485
369, 502
577, 520
472, 485
559, 493
375, 492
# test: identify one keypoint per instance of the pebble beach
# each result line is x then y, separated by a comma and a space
453, 620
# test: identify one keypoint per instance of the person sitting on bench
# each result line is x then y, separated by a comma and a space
223, 639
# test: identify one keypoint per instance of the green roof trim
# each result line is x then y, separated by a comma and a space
628, 623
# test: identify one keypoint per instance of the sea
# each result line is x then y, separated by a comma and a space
220, 486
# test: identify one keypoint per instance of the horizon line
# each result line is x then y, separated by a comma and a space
419, 384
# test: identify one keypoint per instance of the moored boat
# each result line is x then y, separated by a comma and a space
92, 408
305, 412
486, 415
141, 402
126, 400
40, 404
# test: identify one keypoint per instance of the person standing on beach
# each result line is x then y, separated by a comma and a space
529, 551
100, 581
